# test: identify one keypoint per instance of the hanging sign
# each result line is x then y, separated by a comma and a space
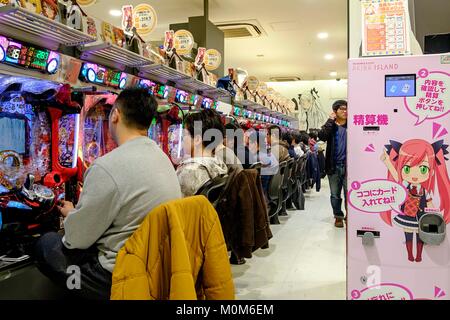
213, 59
127, 19
144, 19
184, 42
86, 2
200, 59
386, 27
252, 83
169, 41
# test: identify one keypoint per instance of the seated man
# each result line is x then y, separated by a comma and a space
200, 165
277, 148
120, 189
287, 138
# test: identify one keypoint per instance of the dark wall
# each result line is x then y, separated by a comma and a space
206, 35
431, 17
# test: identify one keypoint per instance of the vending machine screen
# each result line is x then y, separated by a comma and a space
401, 85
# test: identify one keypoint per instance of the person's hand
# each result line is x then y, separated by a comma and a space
333, 116
66, 208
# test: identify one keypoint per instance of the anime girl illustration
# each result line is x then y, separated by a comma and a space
421, 168
50, 9
32, 5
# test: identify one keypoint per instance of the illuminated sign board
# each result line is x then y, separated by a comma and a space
31, 57
97, 74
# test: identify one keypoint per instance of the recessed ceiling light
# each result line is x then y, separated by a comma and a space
333, 74
329, 57
322, 35
115, 13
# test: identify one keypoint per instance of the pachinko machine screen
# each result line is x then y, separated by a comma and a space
147, 84
176, 143
25, 144
155, 132
96, 138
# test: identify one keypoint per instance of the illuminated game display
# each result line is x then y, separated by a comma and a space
147, 84
15, 53
37, 154
182, 97
94, 73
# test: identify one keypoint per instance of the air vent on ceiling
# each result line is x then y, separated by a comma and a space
241, 29
285, 79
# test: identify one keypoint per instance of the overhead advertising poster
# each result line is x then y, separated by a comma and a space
386, 27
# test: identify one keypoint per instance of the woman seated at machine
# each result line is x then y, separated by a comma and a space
200, 165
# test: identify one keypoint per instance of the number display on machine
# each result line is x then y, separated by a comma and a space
30, 57
94, 73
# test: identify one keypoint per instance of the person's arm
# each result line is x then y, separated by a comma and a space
98, 207
327, 130
387, 161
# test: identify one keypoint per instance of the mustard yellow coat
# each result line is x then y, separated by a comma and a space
178, 253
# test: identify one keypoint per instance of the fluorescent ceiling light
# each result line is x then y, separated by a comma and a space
333, 74
115, 13
329, 57
322, 35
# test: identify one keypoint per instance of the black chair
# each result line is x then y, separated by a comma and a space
298, 196
285, 186
293, 184
275, 196
213, 189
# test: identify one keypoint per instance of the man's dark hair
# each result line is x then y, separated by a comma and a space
297, 138
313, 135
339, 104
138, 108
287, 137
210, 119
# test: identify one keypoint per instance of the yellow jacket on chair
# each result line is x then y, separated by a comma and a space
178, 253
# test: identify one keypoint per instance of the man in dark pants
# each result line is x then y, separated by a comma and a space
334, 132
119, 191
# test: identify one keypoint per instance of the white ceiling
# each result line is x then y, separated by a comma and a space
292, 51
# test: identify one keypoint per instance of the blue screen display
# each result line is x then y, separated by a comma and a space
13, 134
401, 85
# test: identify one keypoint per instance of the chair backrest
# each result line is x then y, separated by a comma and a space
213, 189
276, 182
287, 173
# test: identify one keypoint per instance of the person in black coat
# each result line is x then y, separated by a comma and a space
334, 132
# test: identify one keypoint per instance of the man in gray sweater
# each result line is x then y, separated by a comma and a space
120, 189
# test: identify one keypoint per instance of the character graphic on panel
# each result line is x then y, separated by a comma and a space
421, 168
32, 5
50, 9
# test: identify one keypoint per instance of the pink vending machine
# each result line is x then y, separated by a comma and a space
398, 178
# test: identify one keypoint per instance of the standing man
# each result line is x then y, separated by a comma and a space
334, 132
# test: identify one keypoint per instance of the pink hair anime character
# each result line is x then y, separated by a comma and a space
421, 168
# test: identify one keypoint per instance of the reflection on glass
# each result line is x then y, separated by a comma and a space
96, 138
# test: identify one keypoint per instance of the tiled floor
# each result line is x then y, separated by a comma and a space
306, 259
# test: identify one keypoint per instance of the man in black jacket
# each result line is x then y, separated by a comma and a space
334, 132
